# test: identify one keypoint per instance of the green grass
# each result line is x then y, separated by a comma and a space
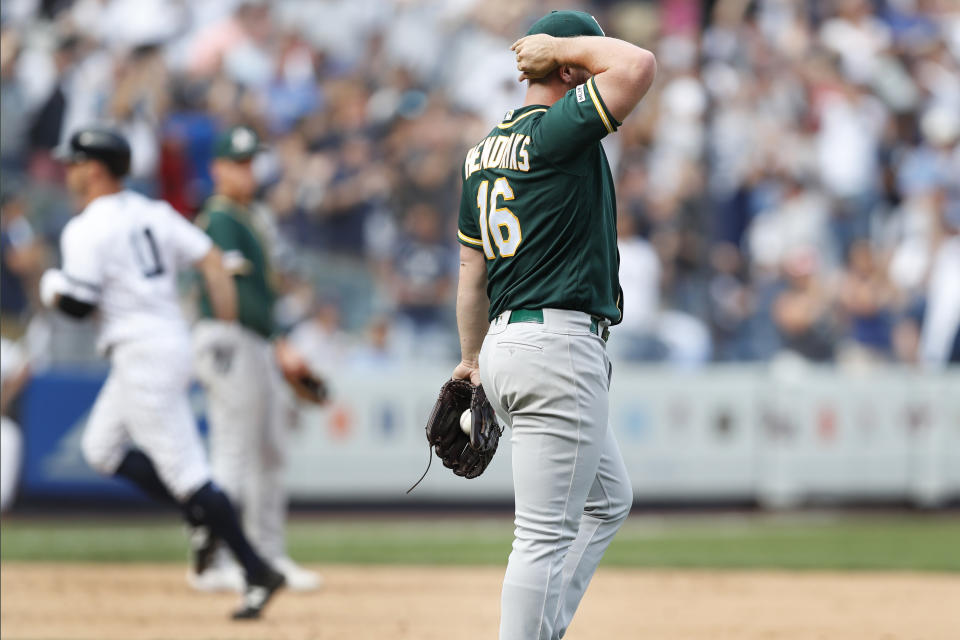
891, 542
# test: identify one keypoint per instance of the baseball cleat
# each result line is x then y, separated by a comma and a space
258, 594
297, 578
203, 547
218, 578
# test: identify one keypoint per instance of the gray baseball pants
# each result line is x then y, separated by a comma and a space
549, 383
246, 413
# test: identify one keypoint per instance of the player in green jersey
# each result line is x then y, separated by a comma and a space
538, 290
240, 364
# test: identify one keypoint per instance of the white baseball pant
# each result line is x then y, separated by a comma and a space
549, 383
144, 402
11, 450
247, 415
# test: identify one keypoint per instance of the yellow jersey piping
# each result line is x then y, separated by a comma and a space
507, 125
596, 103
468, 239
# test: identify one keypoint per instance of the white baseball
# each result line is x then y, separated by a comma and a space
466, 418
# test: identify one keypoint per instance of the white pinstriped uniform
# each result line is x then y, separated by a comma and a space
123, 254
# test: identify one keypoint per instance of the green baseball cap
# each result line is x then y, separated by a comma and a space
567, 24
237, 143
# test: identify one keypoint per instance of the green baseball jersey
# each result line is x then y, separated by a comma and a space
538, 201
231, 228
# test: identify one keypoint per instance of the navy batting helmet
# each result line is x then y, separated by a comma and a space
104, 145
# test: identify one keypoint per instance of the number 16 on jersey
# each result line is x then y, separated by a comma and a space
498, 222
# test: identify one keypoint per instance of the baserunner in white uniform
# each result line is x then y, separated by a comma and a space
121, 256
538, 279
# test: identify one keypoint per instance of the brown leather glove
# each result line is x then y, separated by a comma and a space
467, 456
309, 387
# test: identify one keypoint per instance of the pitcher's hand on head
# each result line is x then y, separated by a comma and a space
467, 371
536, 55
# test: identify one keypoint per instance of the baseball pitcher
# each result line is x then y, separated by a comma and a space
538, 291
240, 364
121, 256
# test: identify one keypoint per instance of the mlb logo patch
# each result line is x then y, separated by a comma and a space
508, 115
581, 93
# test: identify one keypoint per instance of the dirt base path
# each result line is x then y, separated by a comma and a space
140, 602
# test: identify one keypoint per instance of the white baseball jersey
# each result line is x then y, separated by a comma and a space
123, 253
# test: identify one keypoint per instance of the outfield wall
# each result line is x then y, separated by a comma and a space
721, 434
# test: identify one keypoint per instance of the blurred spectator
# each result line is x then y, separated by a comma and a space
378, 351
940, 340
636, 337
731, 304
321, 340
649, 333
138, 103
187, 138
351, 196
423, 265
858, 36
14, 113
850, 125
46, 130
803, 312
22, 260
868, 299
798, 218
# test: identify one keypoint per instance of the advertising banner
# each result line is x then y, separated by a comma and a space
719, 434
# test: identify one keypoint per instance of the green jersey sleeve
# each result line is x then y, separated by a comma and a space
244, 259
228, 235
468, 225
575, 121
221, 228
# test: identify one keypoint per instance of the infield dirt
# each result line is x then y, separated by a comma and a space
139, 602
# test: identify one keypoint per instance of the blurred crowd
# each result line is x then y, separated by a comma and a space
790, 188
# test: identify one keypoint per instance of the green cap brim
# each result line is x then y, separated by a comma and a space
240, 157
